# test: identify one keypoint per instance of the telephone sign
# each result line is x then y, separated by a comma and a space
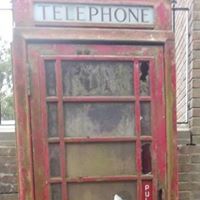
93, 13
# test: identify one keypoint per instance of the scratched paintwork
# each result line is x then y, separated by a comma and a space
33, 45
171, 118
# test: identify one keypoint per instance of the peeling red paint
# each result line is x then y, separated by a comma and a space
34, 45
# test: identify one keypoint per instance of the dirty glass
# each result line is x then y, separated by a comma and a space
52, 120
56, 193
97, 78
102, 159
146, 158
144, 78
99, 119
54, 160
50, 78
103, 191
145, 109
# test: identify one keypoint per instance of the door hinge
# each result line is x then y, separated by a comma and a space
28, 79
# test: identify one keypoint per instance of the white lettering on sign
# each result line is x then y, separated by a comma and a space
147, 192
92, 13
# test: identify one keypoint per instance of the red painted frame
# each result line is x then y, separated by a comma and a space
28, 118
59, 99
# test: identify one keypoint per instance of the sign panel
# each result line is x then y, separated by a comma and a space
147, 190
94, 14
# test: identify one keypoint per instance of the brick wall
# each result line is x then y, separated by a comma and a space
8, 167
189, 156
194, 81
189, 171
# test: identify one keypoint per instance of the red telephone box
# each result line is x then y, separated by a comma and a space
95, 100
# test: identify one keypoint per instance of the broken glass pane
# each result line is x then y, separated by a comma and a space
144, 78
146, 158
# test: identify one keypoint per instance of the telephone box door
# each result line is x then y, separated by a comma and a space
97, 121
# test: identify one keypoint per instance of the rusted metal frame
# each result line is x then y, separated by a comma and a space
61, 128
171, 131
44, 133
23, 129
137, 126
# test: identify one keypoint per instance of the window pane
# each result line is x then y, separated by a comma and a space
97, 78
106, 159
54, 160
146, 158
102, 191
56, 193
144, 78
52, 120
145, 118
50, 78
99, 119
